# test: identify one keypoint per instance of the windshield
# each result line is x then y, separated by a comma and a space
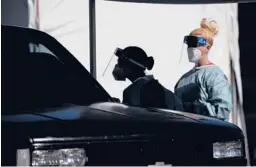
39, 73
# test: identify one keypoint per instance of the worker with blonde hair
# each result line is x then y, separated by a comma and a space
204, 89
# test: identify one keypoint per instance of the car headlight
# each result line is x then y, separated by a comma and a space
60, 157
227, 150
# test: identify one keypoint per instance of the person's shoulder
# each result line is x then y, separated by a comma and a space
187, 74
127, 90
140, 82
215, 68
215, 73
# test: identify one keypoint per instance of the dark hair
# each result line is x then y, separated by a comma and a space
139, 55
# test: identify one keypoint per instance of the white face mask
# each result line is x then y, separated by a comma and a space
194, 55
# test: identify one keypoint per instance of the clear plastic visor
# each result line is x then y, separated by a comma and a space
189, 53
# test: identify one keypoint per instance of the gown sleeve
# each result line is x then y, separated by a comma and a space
219, 103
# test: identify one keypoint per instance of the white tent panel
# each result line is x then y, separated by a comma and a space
68, 22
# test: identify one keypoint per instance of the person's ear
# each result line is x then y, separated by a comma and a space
207, 48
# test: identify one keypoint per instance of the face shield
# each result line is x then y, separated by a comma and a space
190, 54
116, 66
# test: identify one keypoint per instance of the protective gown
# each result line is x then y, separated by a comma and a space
205, 90
140, 90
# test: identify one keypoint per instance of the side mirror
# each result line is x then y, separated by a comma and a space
116, 99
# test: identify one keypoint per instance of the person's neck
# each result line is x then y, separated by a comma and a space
203, 62
135, 77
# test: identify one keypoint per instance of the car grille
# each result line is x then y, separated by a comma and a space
141, 153
129, 152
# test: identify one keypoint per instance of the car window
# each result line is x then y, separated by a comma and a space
37, 76
39, 48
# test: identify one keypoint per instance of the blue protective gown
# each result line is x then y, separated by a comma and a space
132, 94
205, 90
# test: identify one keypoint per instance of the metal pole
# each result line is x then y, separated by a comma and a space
92, 35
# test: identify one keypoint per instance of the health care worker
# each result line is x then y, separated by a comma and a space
144, 91
204, 89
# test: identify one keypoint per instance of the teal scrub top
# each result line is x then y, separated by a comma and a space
205, 90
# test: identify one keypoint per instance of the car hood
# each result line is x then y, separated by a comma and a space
114, 118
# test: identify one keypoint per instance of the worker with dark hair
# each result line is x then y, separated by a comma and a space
145, 90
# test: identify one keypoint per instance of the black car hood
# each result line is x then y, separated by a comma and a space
115, 118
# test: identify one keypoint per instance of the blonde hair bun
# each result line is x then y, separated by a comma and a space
210, 24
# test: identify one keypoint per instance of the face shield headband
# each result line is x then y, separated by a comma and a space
112, 64
194, 41
120, 54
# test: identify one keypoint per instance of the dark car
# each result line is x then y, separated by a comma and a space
55, 113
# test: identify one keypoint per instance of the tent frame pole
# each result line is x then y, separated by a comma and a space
92, 37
